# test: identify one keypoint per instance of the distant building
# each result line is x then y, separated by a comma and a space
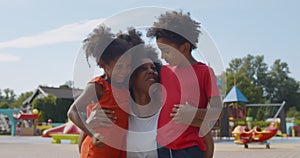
68, 95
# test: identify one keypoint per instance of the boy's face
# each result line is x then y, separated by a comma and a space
170, 51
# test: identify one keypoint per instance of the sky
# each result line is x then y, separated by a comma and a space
40, 40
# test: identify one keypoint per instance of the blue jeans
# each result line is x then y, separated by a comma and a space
190, 152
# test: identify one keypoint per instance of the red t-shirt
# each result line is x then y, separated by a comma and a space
116, 99
187, 84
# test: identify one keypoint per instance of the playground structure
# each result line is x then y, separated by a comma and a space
42, 126
26, 124
280, 112
234, 111
67, 131
12, 121
4, 124
56, 138
242, 135
67, 128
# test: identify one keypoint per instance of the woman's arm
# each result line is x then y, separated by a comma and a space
77, 111
98, 118
81, 138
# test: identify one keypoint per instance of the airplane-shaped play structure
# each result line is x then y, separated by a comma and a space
242, 135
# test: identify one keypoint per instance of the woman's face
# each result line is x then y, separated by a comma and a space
144, 76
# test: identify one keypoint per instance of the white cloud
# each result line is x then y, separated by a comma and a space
66, 33
4, 57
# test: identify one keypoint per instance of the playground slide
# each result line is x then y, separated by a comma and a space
67, 128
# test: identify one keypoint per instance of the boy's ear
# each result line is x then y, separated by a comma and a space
186, 47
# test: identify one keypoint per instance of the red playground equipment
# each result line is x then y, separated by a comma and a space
243, 135
67, 128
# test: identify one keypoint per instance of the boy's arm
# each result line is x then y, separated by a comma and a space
210, 146
191, 115
213, 111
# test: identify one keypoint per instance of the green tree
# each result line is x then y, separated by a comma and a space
280, 86
248, 74
292, 112
46, 107
7, 98
53, 108
67, 84
4, 105
9, 95
261, 84
1, 96
62, 107
21, 99
260, 114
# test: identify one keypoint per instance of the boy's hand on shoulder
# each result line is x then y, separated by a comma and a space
183, 113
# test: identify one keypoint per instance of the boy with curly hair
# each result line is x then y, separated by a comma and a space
188, 83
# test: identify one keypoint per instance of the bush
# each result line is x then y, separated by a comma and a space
261, 124
241, 123
297, 122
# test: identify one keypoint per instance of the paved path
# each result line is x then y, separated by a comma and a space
37, 147
277, 150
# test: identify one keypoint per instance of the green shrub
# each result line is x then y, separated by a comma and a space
297, 122
261, 124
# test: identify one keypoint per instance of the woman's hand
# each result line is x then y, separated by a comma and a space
98, 140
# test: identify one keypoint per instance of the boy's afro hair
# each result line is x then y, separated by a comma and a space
173, 24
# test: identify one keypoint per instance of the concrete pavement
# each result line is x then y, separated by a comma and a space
37, 147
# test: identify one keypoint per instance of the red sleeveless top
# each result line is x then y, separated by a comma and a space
116, 99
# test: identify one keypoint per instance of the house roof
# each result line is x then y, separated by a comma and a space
235, 95
64, 93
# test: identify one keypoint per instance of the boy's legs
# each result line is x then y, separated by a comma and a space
164, 152
191, 152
